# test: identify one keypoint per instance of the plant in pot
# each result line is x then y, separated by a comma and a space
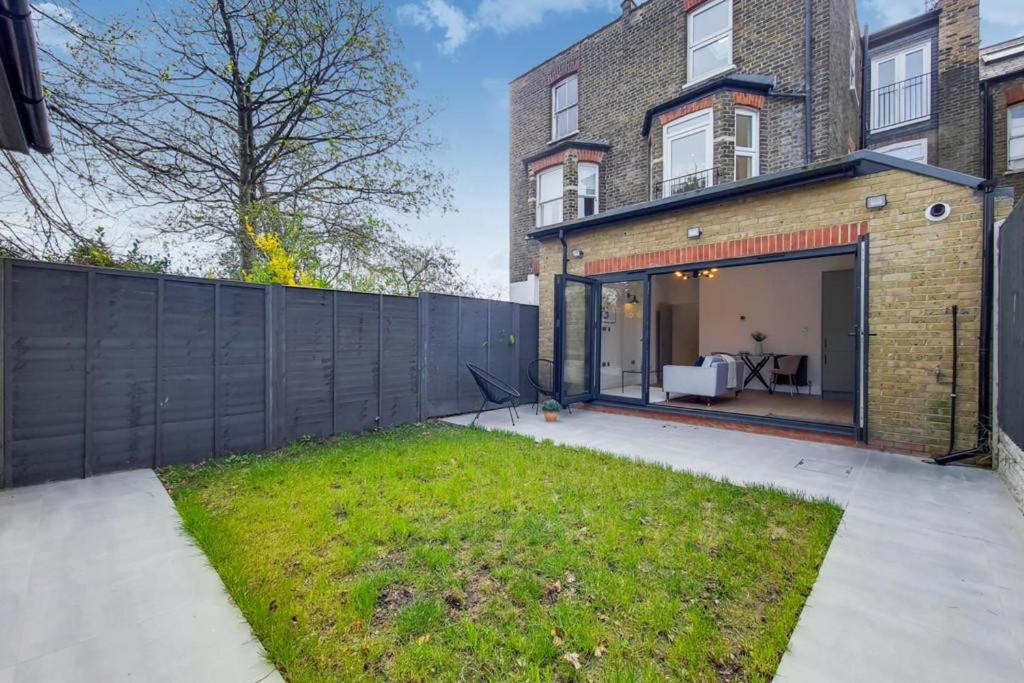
551, 408
758, 338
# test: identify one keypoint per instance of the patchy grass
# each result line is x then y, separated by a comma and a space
447, 553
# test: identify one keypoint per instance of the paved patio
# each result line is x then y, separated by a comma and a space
924, 580
98, 583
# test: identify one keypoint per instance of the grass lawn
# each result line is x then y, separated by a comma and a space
444, 553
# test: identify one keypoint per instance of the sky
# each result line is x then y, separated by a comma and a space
463, 53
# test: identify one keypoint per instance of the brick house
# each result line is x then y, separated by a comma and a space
686, 177
1002, 82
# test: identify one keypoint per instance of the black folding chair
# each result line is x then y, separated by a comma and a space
494, 391
541, 374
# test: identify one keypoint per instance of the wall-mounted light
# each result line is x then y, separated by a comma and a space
878, 201
693, 233
577, 253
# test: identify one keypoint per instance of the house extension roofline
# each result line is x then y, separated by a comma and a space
860, 163
907, 26
20, 85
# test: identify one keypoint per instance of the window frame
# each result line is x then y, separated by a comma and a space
682, 130
900, 76
692, 46
555, 111
560, 168
754, 152
579, 186
1013, 164
854, 50
921, 142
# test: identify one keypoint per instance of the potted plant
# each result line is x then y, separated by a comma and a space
551, 408
758, 338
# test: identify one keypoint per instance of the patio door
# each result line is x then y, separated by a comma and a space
575, 337
862, 334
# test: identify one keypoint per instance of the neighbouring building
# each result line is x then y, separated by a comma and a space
688, 198
1002, 81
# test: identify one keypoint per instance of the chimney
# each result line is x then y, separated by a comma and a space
956, 82
627, 8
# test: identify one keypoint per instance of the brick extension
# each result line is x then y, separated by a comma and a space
814, 238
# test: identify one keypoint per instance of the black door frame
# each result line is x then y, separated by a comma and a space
859, 250
592, 341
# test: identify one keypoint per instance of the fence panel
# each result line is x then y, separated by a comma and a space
356, 361
186, 386
106, 370
1011, 326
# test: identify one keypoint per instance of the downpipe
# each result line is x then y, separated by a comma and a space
981, 446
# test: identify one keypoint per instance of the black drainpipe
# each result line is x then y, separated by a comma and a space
565, 252
865, 84
808, 77
987, 287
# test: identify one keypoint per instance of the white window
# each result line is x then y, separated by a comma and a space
748, 161
709, 40
587, 200
564, 108
1015, 137
911, 150
901, 90
688, 154
549, 197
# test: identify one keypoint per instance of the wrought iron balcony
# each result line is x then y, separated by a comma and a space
691, 182
901, 103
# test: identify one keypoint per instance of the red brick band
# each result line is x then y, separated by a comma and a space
690, 4
594, 156
685, 109
801, 240
746, 99
1014, 95
563, 72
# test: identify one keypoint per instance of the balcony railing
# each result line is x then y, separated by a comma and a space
901, 103
691, 182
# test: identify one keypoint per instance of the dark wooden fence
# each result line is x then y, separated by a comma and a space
107, 370
1010, 326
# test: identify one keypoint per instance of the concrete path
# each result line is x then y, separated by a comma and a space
924, 580
98, 583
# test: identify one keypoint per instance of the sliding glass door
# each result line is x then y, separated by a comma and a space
622, 356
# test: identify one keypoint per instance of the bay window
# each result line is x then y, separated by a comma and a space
587, 195
709, 40
1015, 137
688, 154
748, 158
549, 196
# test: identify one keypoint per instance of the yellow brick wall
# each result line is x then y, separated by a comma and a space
918, 270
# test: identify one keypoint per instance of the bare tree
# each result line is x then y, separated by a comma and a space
211, 108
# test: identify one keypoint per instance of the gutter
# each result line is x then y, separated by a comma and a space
20, 61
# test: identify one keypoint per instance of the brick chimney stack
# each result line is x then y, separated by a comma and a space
627, 8
956, 86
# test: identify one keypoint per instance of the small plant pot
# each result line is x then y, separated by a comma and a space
551, 416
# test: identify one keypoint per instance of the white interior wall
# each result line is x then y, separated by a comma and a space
782, 299
621, 336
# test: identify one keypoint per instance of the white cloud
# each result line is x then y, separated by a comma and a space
438, 14
500, 16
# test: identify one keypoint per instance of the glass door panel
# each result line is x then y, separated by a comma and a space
622, 335
575, 320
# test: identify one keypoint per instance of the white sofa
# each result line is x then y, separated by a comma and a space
706, 381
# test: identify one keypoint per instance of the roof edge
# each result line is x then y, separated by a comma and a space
860, 163
730, 81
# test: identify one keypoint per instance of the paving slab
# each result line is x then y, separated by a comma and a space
924, 580
99, 583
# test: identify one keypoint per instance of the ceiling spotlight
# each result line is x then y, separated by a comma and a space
679, 274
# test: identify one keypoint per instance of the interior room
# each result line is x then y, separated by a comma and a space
705, 327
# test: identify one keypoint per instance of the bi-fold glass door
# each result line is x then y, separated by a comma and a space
600, 334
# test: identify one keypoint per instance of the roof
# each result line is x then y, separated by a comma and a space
904, 28
23, 120
861, 163
1002, 59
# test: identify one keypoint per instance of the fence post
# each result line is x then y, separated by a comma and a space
158, 374
90, 323
380, 358
422, 322
334, 362
216, 369
6, 468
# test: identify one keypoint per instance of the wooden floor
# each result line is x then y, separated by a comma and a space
780, 404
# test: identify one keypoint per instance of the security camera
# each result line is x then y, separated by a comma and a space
939, 211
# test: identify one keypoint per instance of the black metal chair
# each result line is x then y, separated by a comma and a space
541, 374
494, 391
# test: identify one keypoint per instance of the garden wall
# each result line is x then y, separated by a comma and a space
106, 370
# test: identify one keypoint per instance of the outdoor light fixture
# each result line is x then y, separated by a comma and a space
693, 233
679, 274
878, 201
577, 253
